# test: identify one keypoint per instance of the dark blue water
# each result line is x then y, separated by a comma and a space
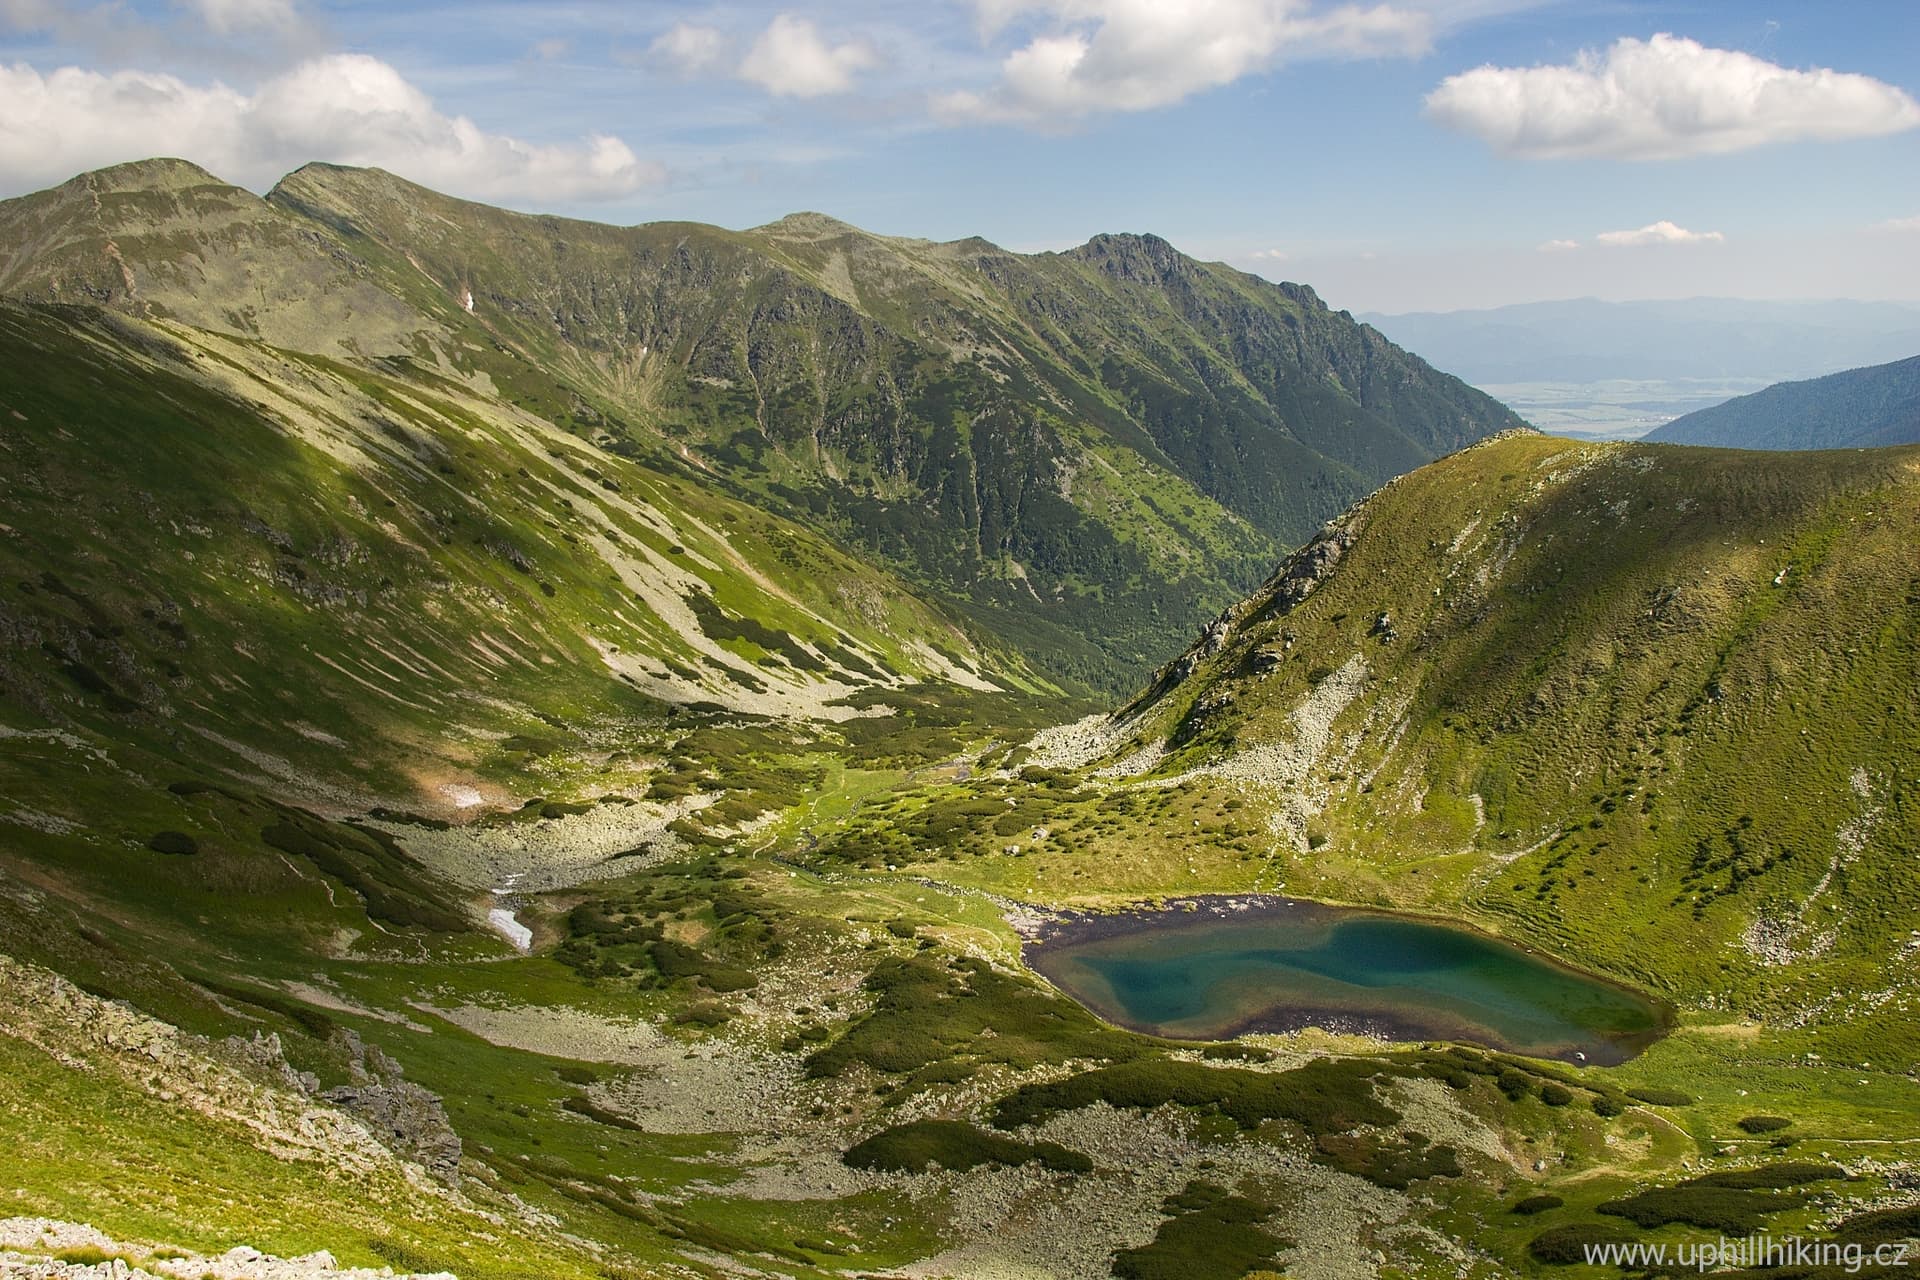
1282, 965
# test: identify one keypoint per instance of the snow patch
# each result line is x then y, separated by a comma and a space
508, 926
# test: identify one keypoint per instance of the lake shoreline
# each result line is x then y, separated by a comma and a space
1084, 954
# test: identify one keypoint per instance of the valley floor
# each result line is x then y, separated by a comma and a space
674, 1072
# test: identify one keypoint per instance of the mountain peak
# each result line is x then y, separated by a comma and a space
1133, 256
164, 173
808, 225
317, 176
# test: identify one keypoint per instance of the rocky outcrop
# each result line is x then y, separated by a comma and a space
1306, 569
1289, 586
390, 1127
397, 1111
48, 1249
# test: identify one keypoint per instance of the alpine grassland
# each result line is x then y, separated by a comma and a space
530, 748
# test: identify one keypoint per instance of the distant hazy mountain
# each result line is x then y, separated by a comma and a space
1860, 408
1587, 340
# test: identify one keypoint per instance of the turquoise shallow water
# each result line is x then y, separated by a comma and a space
1280, 965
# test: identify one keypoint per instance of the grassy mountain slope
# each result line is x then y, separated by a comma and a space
1084, 450
1857, 409
168, 239
210, 540
1648, 707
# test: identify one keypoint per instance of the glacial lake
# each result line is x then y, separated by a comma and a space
1215, 968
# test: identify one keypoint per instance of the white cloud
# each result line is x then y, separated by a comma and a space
227, 16
1269, 255
1661, 232
1559, 246
1899, 225
791, 59
690, 49
551, 49
345, 108
1664, 98
1136, 55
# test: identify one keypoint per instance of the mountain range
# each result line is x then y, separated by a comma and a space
1583, 340
1075, 451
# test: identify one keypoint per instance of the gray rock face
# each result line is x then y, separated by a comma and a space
404, 1116
1307, 569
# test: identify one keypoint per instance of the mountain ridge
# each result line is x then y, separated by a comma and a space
1856, 408
1114, 413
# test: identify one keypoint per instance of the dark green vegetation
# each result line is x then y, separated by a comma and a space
623, 936
1857, 409
1572, 1244
1733, 1203
1210, 1234
1083, 451
934, 1013
956, 1145
1327, 1096
1727, 1210
1764, 1124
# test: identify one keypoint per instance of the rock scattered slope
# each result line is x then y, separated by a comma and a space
47, 1249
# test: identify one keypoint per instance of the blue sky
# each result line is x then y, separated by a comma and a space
1411, 154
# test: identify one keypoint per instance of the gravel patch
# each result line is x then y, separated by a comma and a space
1076, 745
27, 1246
552, 853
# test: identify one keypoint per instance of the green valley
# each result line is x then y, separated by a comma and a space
534, 749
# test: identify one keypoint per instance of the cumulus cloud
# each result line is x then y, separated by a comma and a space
1269, 255
1899, 225
1664, 98
1661, 232
791, 59
1561, 246
689, 48
1136, 55
345, 108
